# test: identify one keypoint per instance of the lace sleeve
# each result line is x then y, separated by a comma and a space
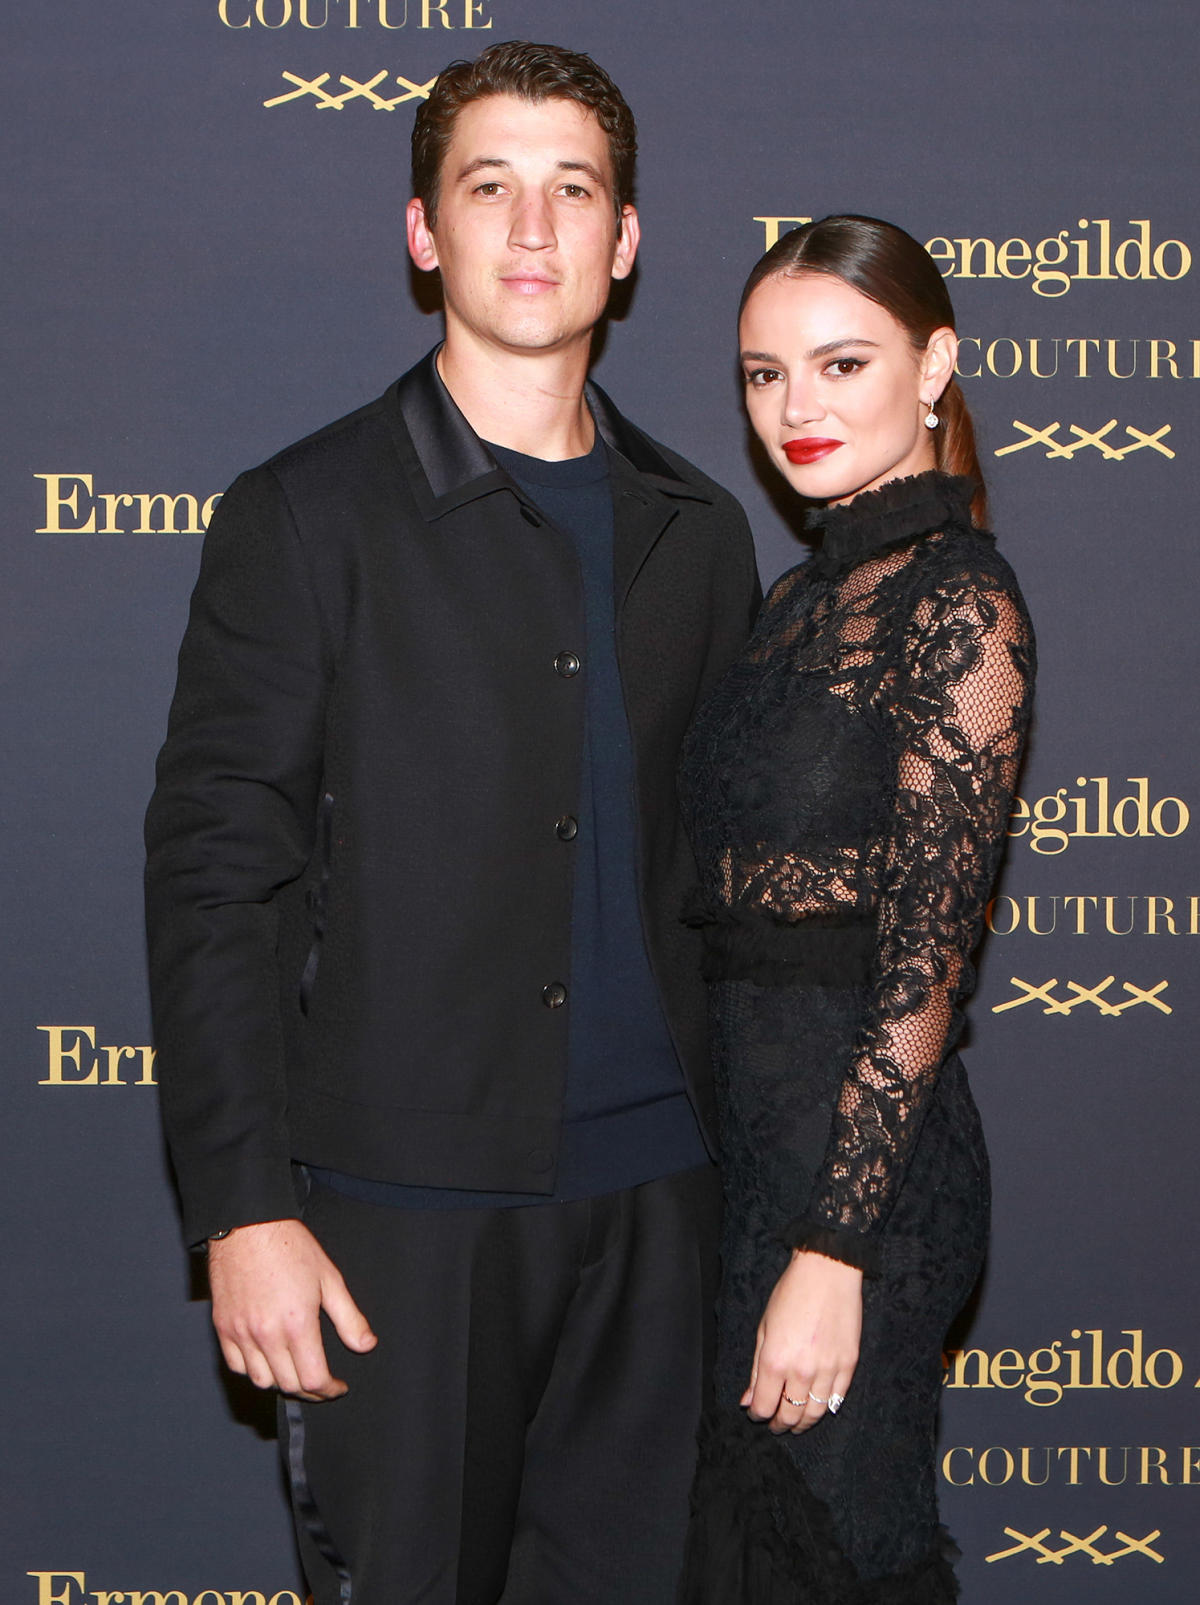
959, 710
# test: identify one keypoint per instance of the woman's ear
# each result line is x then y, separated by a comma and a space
937, 365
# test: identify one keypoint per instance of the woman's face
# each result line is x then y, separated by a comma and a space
834, 388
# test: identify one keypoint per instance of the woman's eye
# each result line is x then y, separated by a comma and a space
762, 376
843, 367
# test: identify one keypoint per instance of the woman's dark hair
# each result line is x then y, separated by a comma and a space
888, 266
529, 72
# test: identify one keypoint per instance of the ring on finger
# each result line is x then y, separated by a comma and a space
797, 1404
815, 1400
836, 1401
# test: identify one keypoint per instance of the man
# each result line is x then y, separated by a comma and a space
430, 1029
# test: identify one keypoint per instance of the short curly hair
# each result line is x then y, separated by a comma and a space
530, 72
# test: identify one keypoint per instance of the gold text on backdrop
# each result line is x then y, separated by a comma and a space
1052, 822
1094, 914
1029, 992
1084, 1546
1065, 450
1052, 265
65, 1067
156, 512
390, 14
1043, 1375
70, 1588
1006, 357
366, 89
1149, 1465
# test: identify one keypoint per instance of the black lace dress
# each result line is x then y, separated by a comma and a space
848, 787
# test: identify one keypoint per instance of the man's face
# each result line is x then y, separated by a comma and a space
526, 235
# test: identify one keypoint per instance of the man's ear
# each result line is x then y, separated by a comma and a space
421, 245
627, 243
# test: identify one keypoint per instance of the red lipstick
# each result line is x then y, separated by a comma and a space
809, 450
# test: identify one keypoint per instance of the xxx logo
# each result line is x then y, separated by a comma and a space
1065, 450
1036, 1544
367, 91
1028, 993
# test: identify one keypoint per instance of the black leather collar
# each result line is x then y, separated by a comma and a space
456, 467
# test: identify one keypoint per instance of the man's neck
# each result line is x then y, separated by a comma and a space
530, 402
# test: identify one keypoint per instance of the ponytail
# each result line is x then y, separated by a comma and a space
954, 444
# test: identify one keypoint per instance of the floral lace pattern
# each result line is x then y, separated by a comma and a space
848, 787
856, 767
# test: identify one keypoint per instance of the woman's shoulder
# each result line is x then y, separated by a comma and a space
965, 555
787, 587
967, 583
957, 559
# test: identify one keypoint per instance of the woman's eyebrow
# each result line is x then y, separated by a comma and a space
831, 346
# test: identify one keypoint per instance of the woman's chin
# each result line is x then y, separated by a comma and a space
822, 482
844, 474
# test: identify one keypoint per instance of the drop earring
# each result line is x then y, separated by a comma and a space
931, 418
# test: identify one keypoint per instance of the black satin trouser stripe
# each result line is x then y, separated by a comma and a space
305, 1505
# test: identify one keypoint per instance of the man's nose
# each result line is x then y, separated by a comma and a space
532, 225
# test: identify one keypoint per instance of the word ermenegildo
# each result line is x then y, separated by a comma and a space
70, 1588
1053, 821
1045, 1374
1052, 265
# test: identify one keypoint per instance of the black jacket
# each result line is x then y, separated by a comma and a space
358, 903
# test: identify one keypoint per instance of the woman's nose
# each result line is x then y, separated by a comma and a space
801, 403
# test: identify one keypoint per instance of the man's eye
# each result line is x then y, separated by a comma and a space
490, 188
574, 191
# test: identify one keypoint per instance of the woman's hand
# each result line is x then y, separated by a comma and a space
807, 1343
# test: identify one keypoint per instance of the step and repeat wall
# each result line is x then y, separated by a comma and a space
205, 262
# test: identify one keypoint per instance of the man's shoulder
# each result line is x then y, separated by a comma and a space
658, 463
688, 472
347, 439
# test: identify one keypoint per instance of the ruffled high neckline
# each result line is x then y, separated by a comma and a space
900, 511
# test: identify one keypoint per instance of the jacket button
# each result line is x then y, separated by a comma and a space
554, 995
530, 517
541, 1160
567, 664
567, 828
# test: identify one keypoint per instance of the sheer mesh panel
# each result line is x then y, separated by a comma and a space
859, 764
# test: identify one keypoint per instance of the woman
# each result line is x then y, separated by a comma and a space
848, 787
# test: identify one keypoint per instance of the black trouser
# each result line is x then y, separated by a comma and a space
524, 1430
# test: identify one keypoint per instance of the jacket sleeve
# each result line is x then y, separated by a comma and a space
738, 578
231, 821
958, 727
751, 581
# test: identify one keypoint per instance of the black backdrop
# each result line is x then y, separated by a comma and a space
205, 262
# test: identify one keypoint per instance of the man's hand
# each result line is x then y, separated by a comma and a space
270, 1282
